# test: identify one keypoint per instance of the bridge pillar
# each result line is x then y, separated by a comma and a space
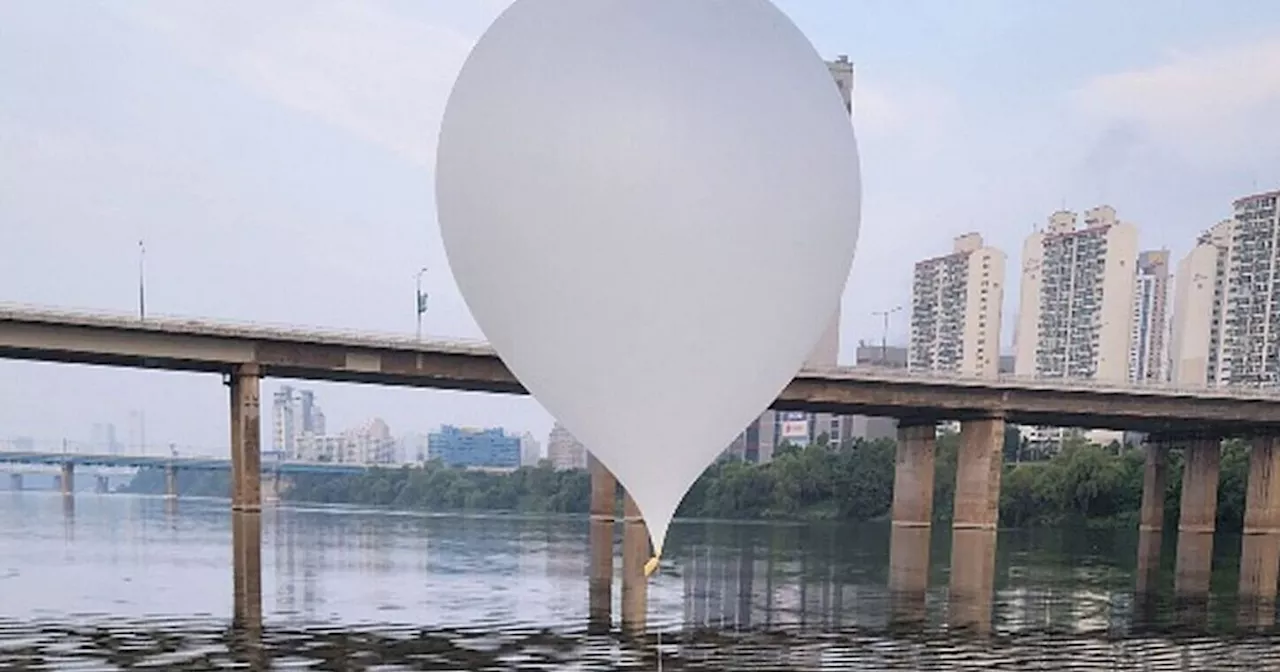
635, 553
1260, 547
912, 519
246, 453
246, 495
1155, 479
170, 481
67, 482
1196, 519
977, 512
15, 482
604, 497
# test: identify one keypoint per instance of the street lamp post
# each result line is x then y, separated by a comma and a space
420, 302
884, 335
142, 281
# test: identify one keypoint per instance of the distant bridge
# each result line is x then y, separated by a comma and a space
183, 463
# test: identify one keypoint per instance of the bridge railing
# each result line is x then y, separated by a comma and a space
240, 328
75, 447
268, 331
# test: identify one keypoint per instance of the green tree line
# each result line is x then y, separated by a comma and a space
1083, 483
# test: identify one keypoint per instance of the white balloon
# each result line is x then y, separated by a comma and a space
651, 208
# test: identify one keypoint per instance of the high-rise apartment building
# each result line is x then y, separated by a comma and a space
1147, 353
1076, 301
756, 443
284, 427
955, 310
1227, 306
564, 450
530, 450
1250, 330
296, 420
370, 443
1199, 308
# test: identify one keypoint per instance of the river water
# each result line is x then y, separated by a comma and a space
123, 582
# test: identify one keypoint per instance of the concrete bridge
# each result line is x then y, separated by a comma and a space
1192, 419
312, 354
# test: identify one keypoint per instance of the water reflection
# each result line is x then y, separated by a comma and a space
202, 586
202, 645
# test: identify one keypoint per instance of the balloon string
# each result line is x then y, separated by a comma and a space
649, 568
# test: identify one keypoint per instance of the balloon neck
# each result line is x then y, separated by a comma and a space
652, 566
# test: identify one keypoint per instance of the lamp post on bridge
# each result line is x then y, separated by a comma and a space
142, 280
420, 302
884, 335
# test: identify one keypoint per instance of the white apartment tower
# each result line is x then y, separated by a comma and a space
530, 450
1147, 353
1199, 308
284, 437
564, 450
1227, 310
955, 310
296, 420
1076, 302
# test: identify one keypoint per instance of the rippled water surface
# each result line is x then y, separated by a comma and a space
120, 582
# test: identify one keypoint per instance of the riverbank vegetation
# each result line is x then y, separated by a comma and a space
1083, 484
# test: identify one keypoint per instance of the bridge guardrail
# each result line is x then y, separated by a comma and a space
241, 328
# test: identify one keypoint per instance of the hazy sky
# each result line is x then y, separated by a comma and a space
276, 157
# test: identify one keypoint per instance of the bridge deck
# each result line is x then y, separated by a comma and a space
216, 347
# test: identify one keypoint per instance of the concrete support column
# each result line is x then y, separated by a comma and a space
977, 512
68, 479
604, 497
912, 519
1155, 480
15, 482
1196, 519
635, 553
1260, 547
246, 497
913, 475
246, 452
170, 481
